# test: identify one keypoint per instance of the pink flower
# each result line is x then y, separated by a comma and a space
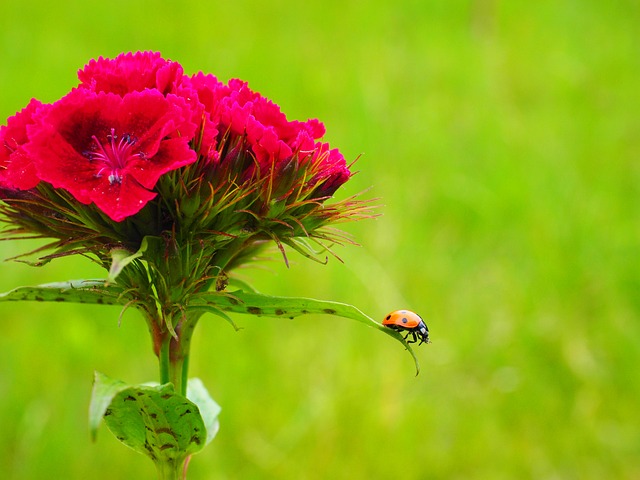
271, 136
131, 72
17, 171
255, 128
331, 170
111, 150
136, 117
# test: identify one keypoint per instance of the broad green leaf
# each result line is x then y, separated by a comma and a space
209, 409
152, 419
75, 291
104, 389
254, 303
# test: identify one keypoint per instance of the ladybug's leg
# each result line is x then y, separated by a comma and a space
413, 337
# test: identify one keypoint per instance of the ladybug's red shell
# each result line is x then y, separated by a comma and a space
403, 318
410, 322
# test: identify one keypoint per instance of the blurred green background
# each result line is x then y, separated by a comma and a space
502, 138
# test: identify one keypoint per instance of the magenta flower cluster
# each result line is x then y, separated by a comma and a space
134, 118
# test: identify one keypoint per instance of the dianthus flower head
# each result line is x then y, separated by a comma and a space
140, 151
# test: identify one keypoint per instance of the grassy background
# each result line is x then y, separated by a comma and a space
502, 138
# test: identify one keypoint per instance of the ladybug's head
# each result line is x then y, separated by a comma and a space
424, 333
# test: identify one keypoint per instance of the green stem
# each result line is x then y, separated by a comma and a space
173, 358
164, 360
178, 374
173, 354
170, 471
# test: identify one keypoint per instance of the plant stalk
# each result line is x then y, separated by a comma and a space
171, 470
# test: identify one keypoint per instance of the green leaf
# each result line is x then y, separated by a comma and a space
120, 258
104, 389
76, 291
154, 419
209, 409
254, 303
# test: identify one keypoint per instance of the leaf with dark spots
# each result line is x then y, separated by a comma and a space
253, 303
74, 291
155, 420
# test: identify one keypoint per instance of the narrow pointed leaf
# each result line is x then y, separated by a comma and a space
74, 291
254, 303
210, 308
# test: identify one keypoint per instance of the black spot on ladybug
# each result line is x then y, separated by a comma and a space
388, 317
254, 310
329, 311
404, 320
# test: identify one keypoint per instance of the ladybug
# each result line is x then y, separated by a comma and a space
410, 322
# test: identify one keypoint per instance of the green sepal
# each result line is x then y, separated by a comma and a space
121, 257
154, 419
74, 291
258, 304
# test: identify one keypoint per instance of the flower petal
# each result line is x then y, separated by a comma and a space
130, 72
16, 168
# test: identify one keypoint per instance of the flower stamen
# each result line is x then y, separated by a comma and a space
114, 155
